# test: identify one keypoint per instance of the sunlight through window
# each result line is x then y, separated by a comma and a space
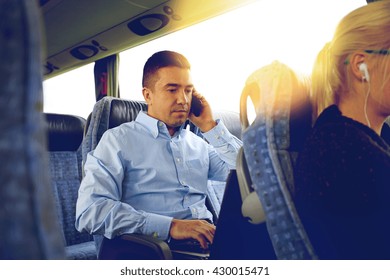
223, 52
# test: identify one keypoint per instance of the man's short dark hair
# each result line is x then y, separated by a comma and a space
159, 60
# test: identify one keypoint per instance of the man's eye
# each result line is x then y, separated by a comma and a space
188, 91
172, 90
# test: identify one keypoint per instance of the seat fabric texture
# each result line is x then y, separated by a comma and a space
65, 134
28, 224
271, 145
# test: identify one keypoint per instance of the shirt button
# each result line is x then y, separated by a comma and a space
178, 159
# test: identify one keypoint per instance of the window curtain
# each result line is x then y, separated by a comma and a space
106, 77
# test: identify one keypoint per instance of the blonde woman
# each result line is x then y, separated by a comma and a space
343, 173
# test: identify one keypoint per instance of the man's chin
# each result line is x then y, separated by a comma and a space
180, 117
178, 123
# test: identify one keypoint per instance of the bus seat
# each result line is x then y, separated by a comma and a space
270, 147
28, 227
65, 135
107, 113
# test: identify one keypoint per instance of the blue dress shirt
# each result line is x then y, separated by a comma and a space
139, 177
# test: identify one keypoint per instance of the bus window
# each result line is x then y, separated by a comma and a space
71, 93
225, 50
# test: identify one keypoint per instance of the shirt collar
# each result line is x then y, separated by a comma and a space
154, 126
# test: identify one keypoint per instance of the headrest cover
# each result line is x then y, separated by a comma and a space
65, 132
122, 111
278, 94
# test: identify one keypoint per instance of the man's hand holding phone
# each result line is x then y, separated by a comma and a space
200, 112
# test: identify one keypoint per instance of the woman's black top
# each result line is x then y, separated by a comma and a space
342, 188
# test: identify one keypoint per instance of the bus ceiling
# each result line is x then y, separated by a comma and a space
78, 32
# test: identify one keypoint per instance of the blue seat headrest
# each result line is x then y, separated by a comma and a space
65, 132
122, 111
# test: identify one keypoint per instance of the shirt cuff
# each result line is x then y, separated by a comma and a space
157, 226
218, 135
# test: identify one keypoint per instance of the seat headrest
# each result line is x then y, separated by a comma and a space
122, 111
281, 98
107, 113
65, 132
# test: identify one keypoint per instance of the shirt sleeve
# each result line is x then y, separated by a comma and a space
223, 153
99, 208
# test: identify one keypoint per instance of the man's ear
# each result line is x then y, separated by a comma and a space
146, 92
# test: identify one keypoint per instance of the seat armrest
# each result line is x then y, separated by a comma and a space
134, 247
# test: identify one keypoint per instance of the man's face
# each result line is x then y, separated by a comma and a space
169, 101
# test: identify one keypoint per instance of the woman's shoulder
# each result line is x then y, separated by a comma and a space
337, 142
331, 126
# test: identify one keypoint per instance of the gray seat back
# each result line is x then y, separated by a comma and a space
65, 134
28, 224
270, 148
107, 113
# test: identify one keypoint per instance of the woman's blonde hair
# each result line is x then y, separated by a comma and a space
365, 28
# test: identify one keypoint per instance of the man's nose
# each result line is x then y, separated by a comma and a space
182, 98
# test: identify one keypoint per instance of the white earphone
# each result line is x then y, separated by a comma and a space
363, 69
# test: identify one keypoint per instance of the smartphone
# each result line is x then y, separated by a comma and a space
196, 106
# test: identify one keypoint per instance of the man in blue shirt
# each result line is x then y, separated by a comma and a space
150, 176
